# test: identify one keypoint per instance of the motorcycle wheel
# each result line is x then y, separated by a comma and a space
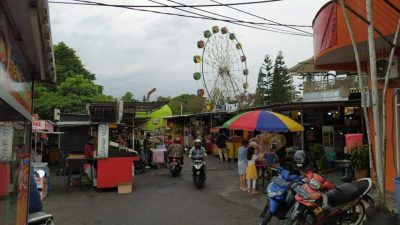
359, 208
299, 220
266, 218
140, 167
198, 183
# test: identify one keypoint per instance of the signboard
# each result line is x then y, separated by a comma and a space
15, 79
42, 125
102, 142
6, 141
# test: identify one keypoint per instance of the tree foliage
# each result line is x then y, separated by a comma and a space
163, 99
282, 89
75, 87
128, 97
263, 90
68, 63
190, 104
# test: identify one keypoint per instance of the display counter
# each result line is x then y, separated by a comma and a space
115, 170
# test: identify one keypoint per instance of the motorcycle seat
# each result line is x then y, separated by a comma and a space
347, 192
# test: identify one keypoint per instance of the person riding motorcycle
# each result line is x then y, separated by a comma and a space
175, 150
197, 150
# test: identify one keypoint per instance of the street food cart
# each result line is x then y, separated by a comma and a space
111, 123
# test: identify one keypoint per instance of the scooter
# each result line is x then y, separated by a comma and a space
40, 218
199, 173
280, 195
343, 206
175, 166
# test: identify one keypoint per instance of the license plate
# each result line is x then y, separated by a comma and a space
279, 181
302, 192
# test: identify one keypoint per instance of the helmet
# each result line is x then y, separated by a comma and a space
300, 159
197, 141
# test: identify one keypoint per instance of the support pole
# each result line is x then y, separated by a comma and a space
384, 96
361, 84
375, 105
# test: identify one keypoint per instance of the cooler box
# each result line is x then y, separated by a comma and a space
353, 140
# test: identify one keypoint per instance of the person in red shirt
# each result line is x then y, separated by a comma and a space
89, 148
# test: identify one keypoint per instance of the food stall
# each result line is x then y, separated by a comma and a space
113, 126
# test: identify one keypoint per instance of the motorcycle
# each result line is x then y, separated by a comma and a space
140, 166
343, 206
175, 166
40, 218
280, 195
199, 173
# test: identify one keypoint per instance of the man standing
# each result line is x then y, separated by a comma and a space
147, 149
221, 144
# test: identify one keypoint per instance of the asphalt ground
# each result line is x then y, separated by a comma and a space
157, 198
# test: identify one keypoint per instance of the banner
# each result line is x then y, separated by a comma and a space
102, 142
6, 141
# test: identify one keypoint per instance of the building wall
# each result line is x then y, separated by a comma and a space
74, 139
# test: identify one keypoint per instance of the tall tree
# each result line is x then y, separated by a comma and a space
163, 99
282, 89
263, 90
128, 97
68, 63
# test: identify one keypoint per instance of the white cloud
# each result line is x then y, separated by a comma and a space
135, 51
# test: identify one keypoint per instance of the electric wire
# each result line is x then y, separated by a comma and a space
237, 22
261, 17
216, 14
168, 6
255, 27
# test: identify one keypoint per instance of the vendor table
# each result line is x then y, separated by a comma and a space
113, 171
74, 163
158, 155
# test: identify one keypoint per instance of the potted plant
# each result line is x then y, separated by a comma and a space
359, 158
317, 155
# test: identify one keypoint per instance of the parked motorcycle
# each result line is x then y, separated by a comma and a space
175, 166
140, 166
40, 218
280, 195
344, 203
199, 172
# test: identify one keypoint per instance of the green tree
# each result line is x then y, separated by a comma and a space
282, 89
190, 104
128, 97
263, 90
163, 99
68, 63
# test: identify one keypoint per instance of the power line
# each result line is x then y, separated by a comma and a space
216, 14
238, 22
187, 6
262, 17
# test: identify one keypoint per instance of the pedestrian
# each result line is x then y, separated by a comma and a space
221, 144
242, 164
147, 149
251, 171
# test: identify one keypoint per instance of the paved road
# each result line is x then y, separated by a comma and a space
159, 199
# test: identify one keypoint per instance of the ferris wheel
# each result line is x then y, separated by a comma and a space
221, 68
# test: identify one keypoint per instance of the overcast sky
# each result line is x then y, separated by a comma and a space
136, 51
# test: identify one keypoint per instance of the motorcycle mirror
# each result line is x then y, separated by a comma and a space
41, 173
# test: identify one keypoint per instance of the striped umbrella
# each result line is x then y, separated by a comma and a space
262, 120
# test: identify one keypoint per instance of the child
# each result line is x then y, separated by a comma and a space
251, 171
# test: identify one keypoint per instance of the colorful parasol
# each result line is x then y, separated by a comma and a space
262, 120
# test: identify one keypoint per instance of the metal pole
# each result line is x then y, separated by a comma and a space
361, 84
302, 133
133, 129
375, 104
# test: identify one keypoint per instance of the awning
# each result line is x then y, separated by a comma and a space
306, 66
72, 123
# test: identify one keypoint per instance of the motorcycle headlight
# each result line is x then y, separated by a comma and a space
272, 194
314, 184
197, 166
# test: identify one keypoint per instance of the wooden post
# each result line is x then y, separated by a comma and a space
375, 105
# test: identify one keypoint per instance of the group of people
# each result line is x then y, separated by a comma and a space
249, 154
